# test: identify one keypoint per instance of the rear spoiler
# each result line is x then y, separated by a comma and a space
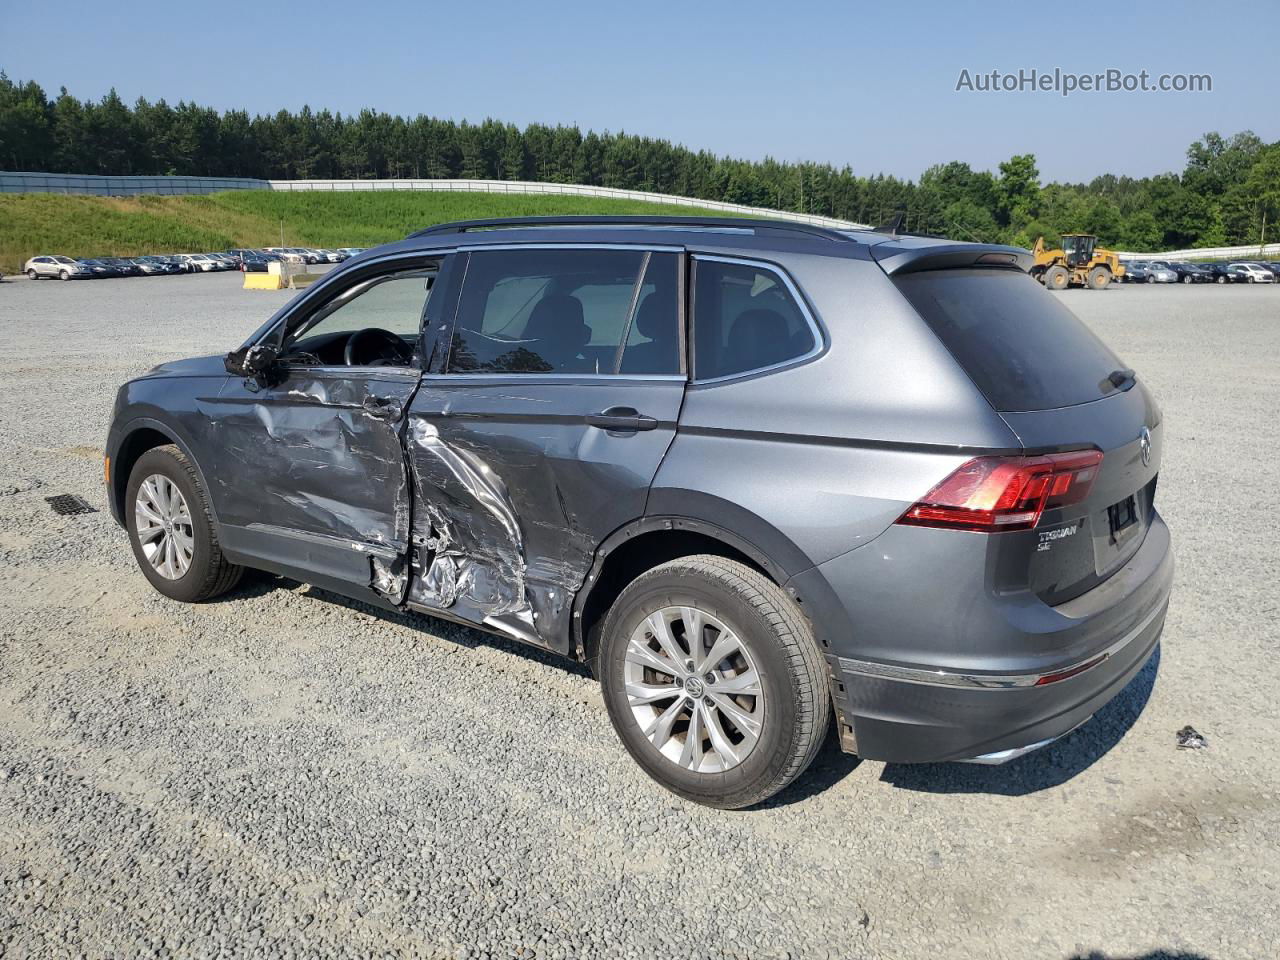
908, 255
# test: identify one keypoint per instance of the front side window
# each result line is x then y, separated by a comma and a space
744, 319
376, 322
570, 311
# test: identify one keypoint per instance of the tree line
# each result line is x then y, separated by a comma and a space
1228, 193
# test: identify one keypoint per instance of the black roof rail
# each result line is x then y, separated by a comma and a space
722, 223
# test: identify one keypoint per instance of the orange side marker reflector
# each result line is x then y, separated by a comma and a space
106, 471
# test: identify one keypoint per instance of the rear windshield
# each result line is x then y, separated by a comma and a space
1021, 347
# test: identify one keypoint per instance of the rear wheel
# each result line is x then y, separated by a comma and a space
171, 529
32, 275
1056, 278
1099, 277
713, 681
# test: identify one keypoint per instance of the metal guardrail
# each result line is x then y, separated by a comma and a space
22, 182
1251, 252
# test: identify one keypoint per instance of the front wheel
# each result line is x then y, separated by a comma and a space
713, 681
171, 529
63, 275
1099, 277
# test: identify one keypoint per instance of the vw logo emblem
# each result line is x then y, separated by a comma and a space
1144, 445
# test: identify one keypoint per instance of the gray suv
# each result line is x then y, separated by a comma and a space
755, 473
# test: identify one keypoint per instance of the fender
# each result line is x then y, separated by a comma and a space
767, 559
119, 437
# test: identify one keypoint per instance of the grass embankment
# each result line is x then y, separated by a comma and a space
80, 226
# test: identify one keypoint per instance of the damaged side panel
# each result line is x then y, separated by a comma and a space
312, 474
513, 491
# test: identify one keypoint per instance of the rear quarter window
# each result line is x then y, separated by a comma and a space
1021, 347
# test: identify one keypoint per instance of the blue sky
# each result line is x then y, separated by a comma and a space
871, 85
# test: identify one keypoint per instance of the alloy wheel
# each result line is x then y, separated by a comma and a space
694, 689
162, 521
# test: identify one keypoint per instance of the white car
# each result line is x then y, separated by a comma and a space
290, 254
1253, 272
64, 268
201, 261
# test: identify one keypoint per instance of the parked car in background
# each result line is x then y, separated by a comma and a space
291, 254
101, 269
1189, 272
1019, 574
1273, 266
53, 266
1253, 272
157, 266
1160, 272
126, 266
1135, 271
251, 262
352, 251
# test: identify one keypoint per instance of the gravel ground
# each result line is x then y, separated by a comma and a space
285, 773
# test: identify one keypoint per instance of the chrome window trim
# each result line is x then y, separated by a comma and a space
819, 341
994, 681
534, 377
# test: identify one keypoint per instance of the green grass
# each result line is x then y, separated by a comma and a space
80, 226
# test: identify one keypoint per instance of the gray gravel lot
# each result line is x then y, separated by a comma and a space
285, 773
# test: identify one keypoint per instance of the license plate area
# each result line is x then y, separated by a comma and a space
1122, 518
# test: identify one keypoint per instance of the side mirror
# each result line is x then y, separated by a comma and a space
254, 361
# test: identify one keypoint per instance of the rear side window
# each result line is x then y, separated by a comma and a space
1021, 347
569, 311
744, 319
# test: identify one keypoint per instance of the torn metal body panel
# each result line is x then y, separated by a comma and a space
514, 489
311, 471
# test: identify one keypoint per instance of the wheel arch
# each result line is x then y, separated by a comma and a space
136, 438
644, 544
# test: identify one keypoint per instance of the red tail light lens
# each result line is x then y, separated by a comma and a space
989, 494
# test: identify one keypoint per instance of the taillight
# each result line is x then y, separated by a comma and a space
989, 494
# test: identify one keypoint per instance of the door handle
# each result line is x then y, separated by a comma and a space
384, 408
621, 418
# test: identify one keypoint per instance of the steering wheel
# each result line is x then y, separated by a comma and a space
375, 347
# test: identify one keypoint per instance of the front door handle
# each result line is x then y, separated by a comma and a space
621, 418
384, 408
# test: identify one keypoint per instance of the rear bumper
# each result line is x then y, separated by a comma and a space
993, 689
904, 722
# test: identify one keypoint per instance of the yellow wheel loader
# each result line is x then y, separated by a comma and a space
1080, 263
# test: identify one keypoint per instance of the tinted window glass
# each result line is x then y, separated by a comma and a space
1021, 347
567, 311
744, 318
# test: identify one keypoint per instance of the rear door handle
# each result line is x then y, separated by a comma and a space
621, 418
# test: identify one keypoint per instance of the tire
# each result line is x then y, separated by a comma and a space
63, 275
1220, 280
1188, 279
1150, 279
1251, 279
791, 711
1099, 277
207, 573
32, 275
1056, 278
